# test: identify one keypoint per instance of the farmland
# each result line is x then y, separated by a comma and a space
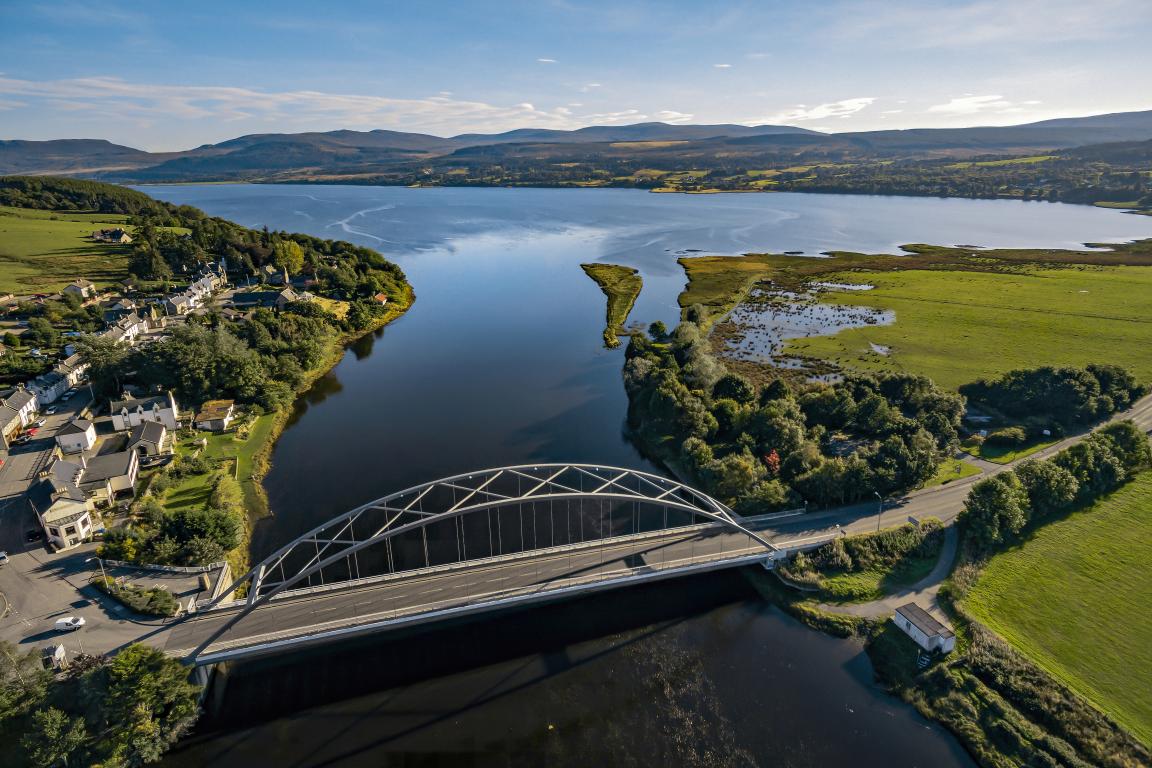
42, 251
1071, 598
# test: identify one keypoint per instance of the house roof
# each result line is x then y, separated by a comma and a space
76, 427
108, 466
147, 432
82, 283
146, 403
62, 474
43, 496
215, 409
923, 621
8, 414
19, 399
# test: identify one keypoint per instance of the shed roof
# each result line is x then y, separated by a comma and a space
923, 621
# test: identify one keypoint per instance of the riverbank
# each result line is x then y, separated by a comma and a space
255, 496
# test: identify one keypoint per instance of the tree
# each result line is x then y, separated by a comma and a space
996, 509
41, 333
23, 680
1050, 487
53, 737
148, 704
288, 256
733, 386
105, 358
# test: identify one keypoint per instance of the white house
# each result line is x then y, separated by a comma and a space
112, 474
148, 438
126, 329
76, 436
83, 289
24, 403
924, 628
130, 411
64, 375
216, 415
64, 512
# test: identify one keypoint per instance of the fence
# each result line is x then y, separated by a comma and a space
168, 568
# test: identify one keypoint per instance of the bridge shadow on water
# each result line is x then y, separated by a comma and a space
538, 639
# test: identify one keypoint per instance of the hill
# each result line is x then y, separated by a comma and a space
393, 157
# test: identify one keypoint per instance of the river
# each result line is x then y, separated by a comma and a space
500, 362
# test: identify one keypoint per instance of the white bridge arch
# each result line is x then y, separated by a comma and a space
493, 512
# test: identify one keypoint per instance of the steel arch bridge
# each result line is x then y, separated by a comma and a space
485, 516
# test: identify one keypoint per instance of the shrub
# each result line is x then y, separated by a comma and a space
1007, 437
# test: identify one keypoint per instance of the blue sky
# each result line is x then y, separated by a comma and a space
166, 76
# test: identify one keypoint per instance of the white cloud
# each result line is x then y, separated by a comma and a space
546, 61
800, 113
672, 116
722, 66
960, 24
758, 55
891, 112
113, 98
970, 104
589, 87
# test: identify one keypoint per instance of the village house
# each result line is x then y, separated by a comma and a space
380, 298
928, 633
126, 329
268, 299
148, 438
76, 436
116, 235
216, 415
49, 387
129, 411
24, 403
179, 304
10, 426
110, 475
271, 275
80, 288
118, 308
64, 512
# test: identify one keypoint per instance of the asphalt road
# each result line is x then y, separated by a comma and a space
44, 588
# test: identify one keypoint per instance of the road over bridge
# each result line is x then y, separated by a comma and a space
479, 542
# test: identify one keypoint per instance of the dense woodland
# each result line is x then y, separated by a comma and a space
112, 712
822, 444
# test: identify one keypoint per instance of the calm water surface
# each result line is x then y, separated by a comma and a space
499, 362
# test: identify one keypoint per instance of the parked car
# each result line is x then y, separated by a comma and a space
30, 431
35, 534
40, 422
51, 410
70, 623
3, 558
22, 440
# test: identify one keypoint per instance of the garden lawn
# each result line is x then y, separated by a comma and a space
195, 489
958, 326
1074, 599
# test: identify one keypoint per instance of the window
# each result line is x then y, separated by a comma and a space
53, 531
70, 530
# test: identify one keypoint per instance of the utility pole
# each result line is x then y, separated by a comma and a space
103, 575
879, 508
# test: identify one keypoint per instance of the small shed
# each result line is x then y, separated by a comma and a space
76, 436
924, 628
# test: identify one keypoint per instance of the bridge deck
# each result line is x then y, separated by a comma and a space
312, 617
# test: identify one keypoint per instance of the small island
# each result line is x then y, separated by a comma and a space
622, 286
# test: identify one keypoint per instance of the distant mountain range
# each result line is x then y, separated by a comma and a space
335, 155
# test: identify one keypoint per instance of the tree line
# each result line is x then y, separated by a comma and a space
999, 508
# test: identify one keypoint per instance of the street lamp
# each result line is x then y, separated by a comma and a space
879, 508
103, 575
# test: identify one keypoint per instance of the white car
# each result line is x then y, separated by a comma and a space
40, 422
51, 410
3, 558
70, 623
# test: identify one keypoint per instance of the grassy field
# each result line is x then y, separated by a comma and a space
958, 326
42, 251
1000, 454
1074, 599
194, 489
950, 470
621, 285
